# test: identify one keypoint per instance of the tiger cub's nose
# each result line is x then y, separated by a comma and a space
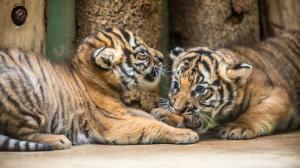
180, 110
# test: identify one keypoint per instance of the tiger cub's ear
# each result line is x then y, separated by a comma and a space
239, 73
175, 52
106, 58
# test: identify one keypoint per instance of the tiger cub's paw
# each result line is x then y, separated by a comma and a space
160, 113
185, 136
165, 116
58, 142
234, 131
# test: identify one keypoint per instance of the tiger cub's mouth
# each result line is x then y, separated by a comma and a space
198, 120
154, 73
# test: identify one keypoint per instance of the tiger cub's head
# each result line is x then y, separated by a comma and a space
207, 86
118, 59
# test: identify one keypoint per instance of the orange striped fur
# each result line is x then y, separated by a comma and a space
242, 92
47, 106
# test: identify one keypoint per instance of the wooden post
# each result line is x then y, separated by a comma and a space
22, 25
281, 15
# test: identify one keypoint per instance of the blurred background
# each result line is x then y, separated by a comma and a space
54, 27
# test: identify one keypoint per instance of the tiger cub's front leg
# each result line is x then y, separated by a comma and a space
163, 114
260, 119
57, 142
139, 130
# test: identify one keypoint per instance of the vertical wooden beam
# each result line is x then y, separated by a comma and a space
60, 34
28, 35
282, 15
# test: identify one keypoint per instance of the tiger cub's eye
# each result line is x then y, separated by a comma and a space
200, 90
175, 86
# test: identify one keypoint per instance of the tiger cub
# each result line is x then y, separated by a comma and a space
47, 106
241, 92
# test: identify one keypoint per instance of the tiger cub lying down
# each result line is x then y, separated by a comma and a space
241, 92
46, 106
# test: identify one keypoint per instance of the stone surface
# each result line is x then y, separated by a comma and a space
282, 150
217, 23
143, 17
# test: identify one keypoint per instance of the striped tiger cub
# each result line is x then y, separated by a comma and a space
47, 106
241, 92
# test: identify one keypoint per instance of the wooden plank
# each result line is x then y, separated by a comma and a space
60, 35
283, 15
30, 35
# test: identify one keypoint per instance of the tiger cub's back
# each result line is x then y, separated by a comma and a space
279, 59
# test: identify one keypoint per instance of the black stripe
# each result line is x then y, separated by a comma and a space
99, 124
5, 50
221, 92
25, 90
125, 72
216, 82
9, 55
27, 61
228, 103
70, 135
42, 93
210, 95
55, 120
205, 52
36, 146
86, 133
42, 70
246, 100
206, 66
118, 36
27, 148
3, 59
111, 40
294, 43
279, 47
5, 144
290, 46
197, 76
229, 99
17, 146
17, 105
109, 115
266, 53
127, 52
24, 77
126, 35
108, 29
137, 44
62, 104
229, 89
98, 38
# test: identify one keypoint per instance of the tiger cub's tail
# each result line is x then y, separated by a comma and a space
10, 144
